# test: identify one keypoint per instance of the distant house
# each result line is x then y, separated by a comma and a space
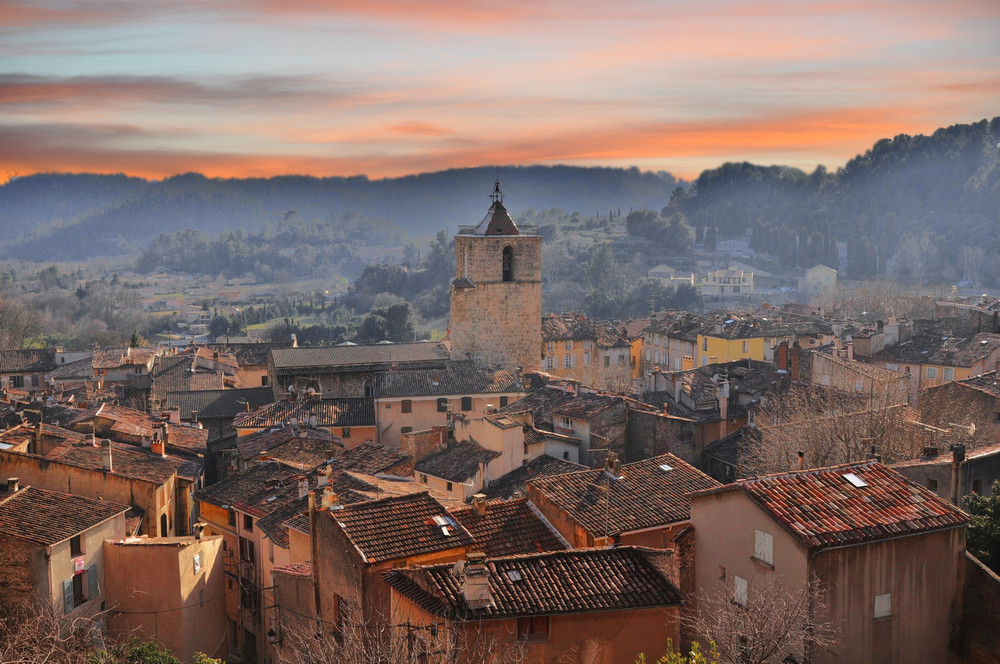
350, 419
669, 276
26, 369
819, 280
594, 352
727, 283
932, 359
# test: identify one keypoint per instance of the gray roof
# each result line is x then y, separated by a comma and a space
459, 378
379, 356
219, 403
456, 463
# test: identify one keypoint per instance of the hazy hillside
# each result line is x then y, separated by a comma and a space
102, 215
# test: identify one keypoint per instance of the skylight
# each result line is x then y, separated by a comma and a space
665, 468
514, 575
855, 480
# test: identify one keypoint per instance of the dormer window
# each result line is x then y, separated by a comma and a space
508, 264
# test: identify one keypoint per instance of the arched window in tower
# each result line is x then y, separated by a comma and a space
508, 264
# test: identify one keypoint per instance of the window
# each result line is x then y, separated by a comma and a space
406, 406
932, 484
508, 264
621, 360
586, 344
76, 546
586, 359
196, 562
883, 606
504, 401
248, 523
533, 628
345, 432
949, 374
740, 590
423, 478
449, 486
567, 361
763, 547
550, 362
569, 344
442, 405
466, 404
607, 360
17, 381
263, 381
405, 429
704, 343
977, 487
566, 423
647, 355
81, 588
722, 572
232, 518
746, 346
932, 372
550, 346
248, 553
566, 455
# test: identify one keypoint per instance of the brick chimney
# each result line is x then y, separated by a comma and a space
303, 486
106, 462
158, 446
479, 504
783, 356
330, 498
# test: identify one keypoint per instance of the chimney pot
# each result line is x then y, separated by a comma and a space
802, 460
106, 461
199, 528
13, 484
303, 487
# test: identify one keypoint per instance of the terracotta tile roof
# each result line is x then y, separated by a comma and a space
112, 358
353, 358
48, 517
586, 405
372, 459
734, 446
988, 382
633, 329
508, 528
539, 402
563, 327
253, 445
176, 373
275, 524
79, 369
259, 490
399, 527
219, 404
513, 484
557, 582
249, 354
497, 222
127, 461
823, 508
303, 568
457, 462
132, 425
645, 496
340, 412
29, 360
459, 378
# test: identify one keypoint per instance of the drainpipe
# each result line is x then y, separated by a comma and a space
957, 457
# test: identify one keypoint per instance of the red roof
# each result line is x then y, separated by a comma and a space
848, 504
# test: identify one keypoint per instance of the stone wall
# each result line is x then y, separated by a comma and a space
978, 639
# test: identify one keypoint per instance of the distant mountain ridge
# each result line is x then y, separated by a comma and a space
78, 216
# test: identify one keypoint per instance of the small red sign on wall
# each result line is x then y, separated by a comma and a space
78, 565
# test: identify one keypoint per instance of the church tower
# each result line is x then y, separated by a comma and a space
496, 295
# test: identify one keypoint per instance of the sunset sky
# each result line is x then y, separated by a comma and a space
237, 88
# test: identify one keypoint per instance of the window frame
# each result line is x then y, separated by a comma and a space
406, 406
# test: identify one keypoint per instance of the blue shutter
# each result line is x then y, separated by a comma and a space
68, 595
94, 590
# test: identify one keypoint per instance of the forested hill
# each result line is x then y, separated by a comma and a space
65, 217
922, 207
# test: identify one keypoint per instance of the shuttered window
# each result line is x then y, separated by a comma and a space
883, 605
740, 590
763, 548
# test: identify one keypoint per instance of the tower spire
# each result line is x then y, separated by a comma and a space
497, 195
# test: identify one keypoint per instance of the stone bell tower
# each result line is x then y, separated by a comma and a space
496, 295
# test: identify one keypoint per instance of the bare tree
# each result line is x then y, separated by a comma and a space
32, 632
17, 323
763, 622
829, 427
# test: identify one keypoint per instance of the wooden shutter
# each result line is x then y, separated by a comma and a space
94, 589
68, 595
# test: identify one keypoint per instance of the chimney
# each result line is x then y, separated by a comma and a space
194, 416
796, 356
479, 504
13, 484
957, 457
476, 581
783, 356
612, 466
106, 462
802, 460
666, 408
303, 486
295, 342
323, 475
850, 351
199, 528
166, 435
158, 446
330, 498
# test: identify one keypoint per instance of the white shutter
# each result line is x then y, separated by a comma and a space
740, 590
883, 605
763, 549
